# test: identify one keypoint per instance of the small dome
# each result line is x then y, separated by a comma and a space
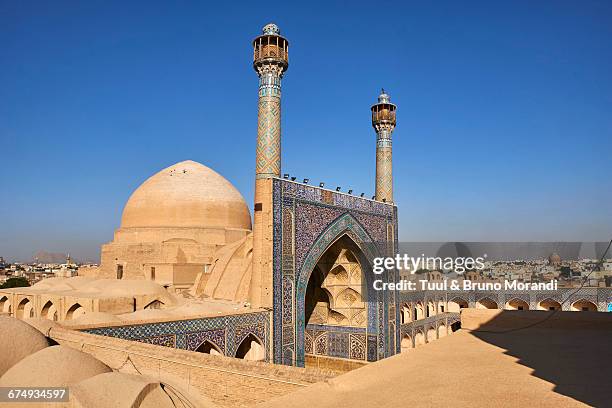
127, 287
47, 283
187, 194
92, 318
55, 366
271, 29
147, 314
20, 339
130, 391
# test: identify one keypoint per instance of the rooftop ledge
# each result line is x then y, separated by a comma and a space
498, 320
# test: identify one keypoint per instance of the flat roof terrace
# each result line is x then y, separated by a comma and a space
498, 358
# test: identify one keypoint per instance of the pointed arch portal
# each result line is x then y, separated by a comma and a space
318, 284
332, 294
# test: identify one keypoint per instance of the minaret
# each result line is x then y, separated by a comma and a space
383, 121
270, 60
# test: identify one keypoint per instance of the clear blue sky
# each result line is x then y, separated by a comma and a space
504, 111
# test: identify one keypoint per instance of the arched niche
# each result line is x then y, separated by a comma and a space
251, 348
406, 343
456, 304
49, 311
549, 304
208, 347
517, 304
25, 309
75, 311
584, 306
334, 292
486, 303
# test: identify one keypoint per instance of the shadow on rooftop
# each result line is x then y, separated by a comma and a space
572, 350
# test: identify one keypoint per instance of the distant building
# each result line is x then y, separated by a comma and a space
554, 259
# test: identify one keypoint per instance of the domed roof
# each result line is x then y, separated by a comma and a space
21, 339
130, 390
42, 325
187, 194
55, 366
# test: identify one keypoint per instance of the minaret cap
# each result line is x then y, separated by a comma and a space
384, 97
383, 112
384, 100
271, 29
270, 49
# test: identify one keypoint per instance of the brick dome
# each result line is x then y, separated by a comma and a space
186, 195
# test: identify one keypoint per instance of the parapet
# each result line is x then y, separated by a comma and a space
497, 320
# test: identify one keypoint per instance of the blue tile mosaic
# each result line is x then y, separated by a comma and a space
225, 332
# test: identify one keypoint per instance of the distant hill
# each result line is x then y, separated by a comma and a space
49, 257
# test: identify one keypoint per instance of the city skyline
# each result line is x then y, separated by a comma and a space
502, 130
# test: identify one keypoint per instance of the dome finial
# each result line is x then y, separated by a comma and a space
383, 97
271, 29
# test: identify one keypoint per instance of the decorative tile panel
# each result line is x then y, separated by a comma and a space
226, 332
216, 337
168, 340
357, 347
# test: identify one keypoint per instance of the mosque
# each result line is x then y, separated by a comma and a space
288, 286
196, 304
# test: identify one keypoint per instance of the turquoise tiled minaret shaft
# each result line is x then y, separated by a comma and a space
383, 121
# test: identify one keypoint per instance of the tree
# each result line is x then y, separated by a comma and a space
566, 272
17, 282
